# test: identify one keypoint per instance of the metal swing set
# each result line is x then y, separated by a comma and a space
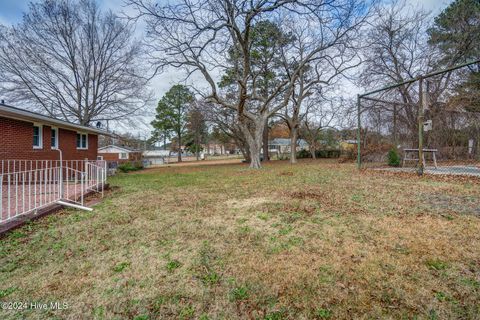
459, 155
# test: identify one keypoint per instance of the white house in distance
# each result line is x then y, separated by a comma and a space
282, 145
119, 154
155, 157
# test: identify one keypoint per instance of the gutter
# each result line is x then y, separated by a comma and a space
24, 115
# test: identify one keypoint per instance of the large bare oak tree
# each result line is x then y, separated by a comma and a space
198, 34
69, 60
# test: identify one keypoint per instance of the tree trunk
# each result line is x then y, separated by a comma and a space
395, 138
293, 144
245, 154
253, 136
179, 151
313, 153
243, 147
476, 144
255, 158
266, 156
197, 148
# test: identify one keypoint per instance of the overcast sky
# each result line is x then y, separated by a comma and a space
11, 12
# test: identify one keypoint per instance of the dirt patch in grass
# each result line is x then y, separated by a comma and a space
318, 195
286, 173
246, 203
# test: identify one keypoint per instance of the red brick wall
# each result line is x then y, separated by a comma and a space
109, 156
114, 156
16, 142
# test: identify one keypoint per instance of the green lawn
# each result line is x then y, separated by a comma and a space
317, 240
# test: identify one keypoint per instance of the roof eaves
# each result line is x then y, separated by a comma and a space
25, 115
119, 147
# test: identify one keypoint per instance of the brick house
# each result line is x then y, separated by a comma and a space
119, 154
28, 135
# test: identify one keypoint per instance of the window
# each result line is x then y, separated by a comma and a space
37, 136
99, 157
82, 141
54, 137
123, 155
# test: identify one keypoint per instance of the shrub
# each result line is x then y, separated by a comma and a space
348, 154
126, 167
375, 152
327, 153
283, 156
393, 158
303, 154
129, 166
138, 165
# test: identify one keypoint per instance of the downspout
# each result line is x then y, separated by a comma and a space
359, 149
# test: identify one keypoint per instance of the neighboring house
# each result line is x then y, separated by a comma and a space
213, 148
282, 145
155, 157
119, 154
28, 135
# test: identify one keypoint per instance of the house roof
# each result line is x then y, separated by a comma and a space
286, 142
25, 115
156, 153
121, 148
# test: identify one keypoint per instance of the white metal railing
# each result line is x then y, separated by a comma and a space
28, 185
15, 165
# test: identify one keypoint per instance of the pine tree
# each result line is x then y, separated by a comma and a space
172, 114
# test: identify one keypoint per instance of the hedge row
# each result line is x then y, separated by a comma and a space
327, 153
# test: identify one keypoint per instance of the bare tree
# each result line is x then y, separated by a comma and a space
321, 114
71, 61
225, 121
198, 35
397, 51
317, 77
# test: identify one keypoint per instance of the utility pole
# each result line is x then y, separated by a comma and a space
395, 137
421, 101
359, 149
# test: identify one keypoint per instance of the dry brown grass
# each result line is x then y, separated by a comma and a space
315, 240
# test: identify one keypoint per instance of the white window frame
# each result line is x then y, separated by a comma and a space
56, 138
86, 141
122, 158
40, 136
100, 158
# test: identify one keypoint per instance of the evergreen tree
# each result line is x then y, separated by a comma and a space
172, 114
456, 33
